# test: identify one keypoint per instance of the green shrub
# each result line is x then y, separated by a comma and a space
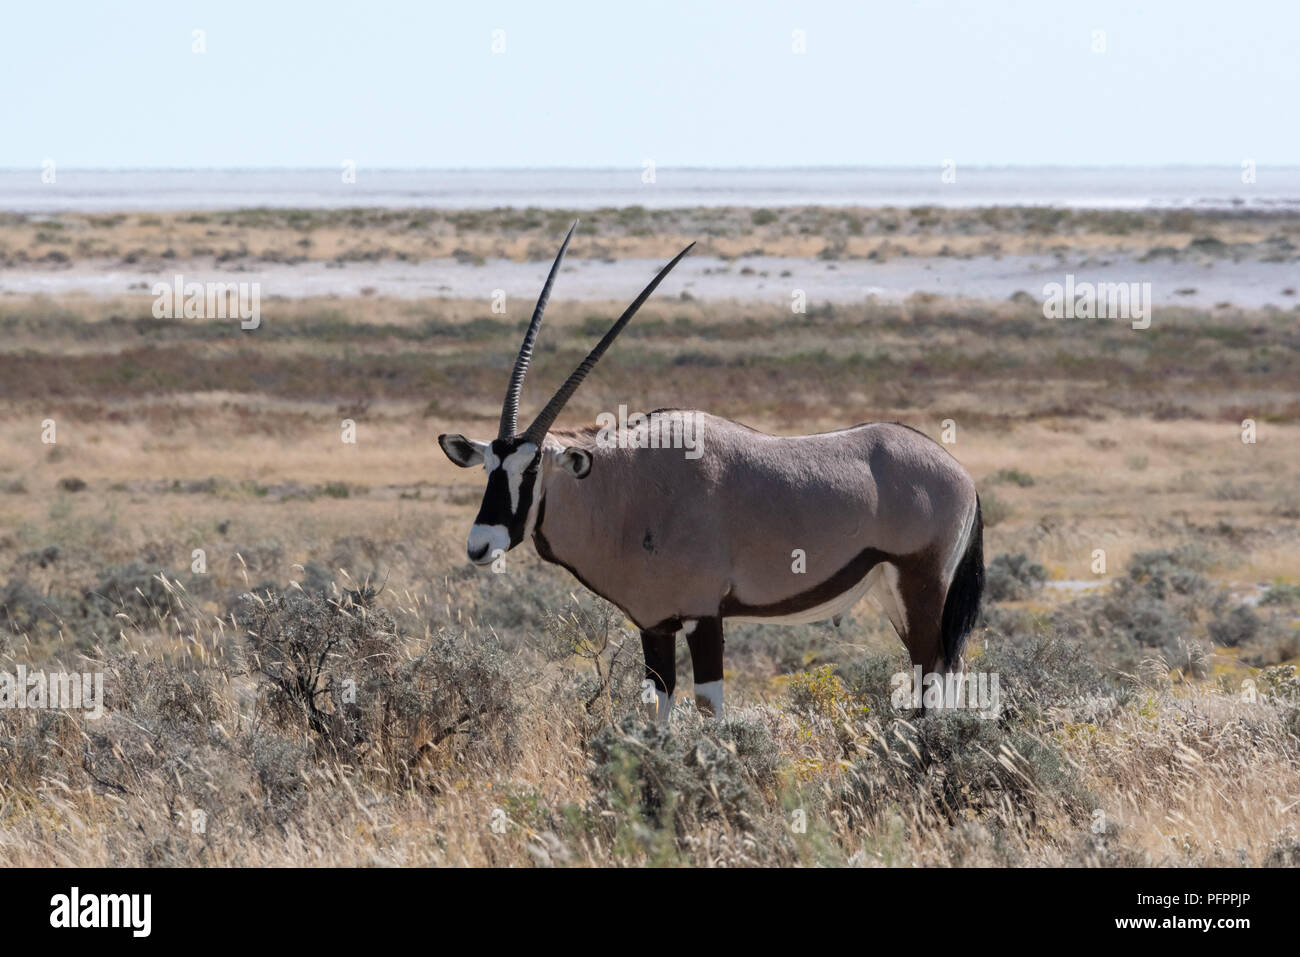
344, 672
1238, 625
1012, 477
953, 765
1157, 607
1281, 593
1013, 578
1167, 571
677, 779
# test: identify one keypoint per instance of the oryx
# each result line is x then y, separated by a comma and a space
750, 526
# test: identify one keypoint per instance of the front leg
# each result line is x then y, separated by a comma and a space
659, 646
704, 635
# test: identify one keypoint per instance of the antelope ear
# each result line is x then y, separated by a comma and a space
577, 462
462, 451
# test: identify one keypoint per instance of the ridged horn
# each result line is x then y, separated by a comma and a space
537, 431
510, 408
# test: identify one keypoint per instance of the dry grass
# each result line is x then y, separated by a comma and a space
463, 748
494, 718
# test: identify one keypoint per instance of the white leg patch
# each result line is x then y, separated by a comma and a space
708, 698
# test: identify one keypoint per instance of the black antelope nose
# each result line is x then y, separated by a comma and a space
475, 555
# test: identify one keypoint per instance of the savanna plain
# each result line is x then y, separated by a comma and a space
301, 667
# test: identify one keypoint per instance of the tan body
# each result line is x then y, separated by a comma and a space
764, 527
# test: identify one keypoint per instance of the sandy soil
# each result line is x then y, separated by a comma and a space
1204, 283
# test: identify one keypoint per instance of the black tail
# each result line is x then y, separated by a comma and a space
962, 606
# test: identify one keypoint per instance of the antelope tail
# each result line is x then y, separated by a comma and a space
962, 606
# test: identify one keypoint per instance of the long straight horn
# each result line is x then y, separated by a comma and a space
510, 408
537, 431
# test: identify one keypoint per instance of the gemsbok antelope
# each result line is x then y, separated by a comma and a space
750, 526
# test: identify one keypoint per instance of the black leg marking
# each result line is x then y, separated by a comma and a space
706, 650
660, 651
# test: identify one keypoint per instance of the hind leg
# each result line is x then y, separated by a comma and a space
923, 594
921, 591
899, 590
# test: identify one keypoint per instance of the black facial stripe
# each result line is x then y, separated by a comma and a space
520, 517
496, 508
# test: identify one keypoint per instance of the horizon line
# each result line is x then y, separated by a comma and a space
900, 167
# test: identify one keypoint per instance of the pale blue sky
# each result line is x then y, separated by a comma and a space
392, 84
